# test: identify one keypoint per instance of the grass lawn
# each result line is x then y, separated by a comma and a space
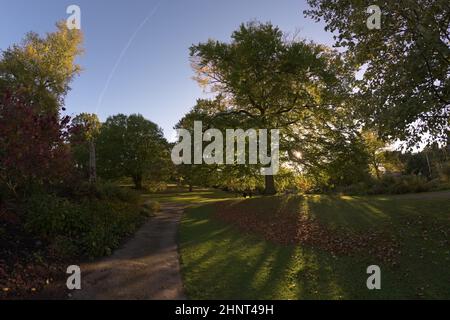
222, 261
183, 196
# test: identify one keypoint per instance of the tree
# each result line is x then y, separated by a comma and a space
33, 146
270, 81
86, 128
375, 148
41, 68
329, 149
134, 147
34, 79
237, 177
405, 91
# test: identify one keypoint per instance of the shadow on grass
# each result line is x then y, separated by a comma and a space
219, 262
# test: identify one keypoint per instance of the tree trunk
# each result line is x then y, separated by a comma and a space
377, 170
270, 189
137, 182
92, 163
191, 188
429, 164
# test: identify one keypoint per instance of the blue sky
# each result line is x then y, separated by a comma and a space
151, 74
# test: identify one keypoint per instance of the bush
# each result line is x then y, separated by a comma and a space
90, 228
48, 216
113, 192
65, 247
359, 188
390, 184
410, 184
444, 172
104, 191
150, 208
153, 187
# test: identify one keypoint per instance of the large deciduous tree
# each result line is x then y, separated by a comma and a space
40, 69
212, 114
405, 91
134, 147
34, 79
329, 149
269, 80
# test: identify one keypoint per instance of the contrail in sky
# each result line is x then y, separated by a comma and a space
123, 52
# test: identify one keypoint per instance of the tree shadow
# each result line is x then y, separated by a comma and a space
222, 262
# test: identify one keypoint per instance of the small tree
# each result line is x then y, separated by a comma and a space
84, 135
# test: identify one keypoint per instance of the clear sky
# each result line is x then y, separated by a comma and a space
137, 51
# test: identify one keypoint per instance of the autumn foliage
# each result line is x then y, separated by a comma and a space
33, 149
288, 221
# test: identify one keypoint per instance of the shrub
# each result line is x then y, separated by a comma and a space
113, 192
92, 227
444, 172
49, 216
65, 247
410, 184
154, 187
359, 188
104, 191
150, 208
390, 184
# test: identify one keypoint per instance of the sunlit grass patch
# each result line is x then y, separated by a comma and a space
219, 261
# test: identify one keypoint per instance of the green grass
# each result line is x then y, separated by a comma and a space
220, 262
178, 195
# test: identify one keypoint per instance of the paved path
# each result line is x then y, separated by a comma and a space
145, 268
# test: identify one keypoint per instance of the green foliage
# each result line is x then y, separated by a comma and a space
444, 172
332, 154
390, 184
134, 147
34, 80
288, 180
375, 151
110, 191
49, 216
405, 91
267, 81
409, 184
150, 208
89, 126
85, 131
91, 227
417, 163
155, 186
41, 68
